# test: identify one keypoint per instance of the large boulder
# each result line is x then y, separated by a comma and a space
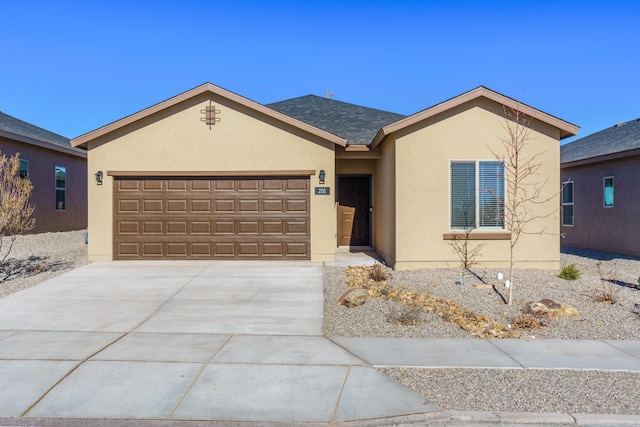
549, 308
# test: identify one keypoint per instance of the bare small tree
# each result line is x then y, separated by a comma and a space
523, 187
467, 253
15, 210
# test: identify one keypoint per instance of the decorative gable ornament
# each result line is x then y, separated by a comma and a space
210, 115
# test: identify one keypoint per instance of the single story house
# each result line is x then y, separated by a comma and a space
57, 171
209, 174
601, 195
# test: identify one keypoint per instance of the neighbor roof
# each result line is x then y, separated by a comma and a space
16, 129
617, 139
82, 140
566, 129
357, 124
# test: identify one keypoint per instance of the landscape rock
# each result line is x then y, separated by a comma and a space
353, 297
550, 309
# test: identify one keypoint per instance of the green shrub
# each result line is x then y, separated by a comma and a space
570, 272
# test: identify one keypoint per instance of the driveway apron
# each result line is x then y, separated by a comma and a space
185, 340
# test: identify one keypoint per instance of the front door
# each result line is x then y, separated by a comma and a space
354, 206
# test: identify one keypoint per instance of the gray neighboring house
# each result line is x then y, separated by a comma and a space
57, 171
601, 197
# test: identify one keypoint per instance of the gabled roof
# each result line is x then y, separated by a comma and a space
19, 130
566, 129
615, 141
355, 123
82, 140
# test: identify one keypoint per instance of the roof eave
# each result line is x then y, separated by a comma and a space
42, 144
566, 129
82, 140
601, 158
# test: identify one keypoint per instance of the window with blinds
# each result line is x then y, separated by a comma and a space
477, 195
491, 194
463, 188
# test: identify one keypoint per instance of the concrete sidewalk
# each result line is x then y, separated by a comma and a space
236, 343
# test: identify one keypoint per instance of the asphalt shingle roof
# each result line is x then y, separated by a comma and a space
16, 126
621, 137
357, 124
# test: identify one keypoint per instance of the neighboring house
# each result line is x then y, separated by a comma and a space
57, 171
601, 196
209, 174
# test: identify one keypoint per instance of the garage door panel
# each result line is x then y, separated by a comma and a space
128, 227
127, 185
152, 227
301, 185
296, 205
223, 185
248, 185
152, 206
152, 185
176, 185
128, 206
201, 227
209, 218
176, 227
177, 206
201, 206
248, 206
224, 206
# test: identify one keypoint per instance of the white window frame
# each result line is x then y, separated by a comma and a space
63, 189
572, 203
604, 189
476, 225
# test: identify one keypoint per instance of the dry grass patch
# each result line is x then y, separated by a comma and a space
449, 311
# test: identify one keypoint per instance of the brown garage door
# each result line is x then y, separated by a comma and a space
211, 218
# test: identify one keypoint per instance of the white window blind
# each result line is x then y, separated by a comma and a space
463, 188
491, 194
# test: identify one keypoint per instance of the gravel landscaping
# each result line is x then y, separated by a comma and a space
38, 257
530, 390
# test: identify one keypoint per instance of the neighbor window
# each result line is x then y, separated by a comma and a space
61, 187
24, 168
567, 203
477, 195
608, 192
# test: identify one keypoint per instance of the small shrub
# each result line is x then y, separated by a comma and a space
570, 272
378, 273
527, 321
404, 315
606, 293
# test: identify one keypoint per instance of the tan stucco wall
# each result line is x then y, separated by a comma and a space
423, 153
176, 140
384, 190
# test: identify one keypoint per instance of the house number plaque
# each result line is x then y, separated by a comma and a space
323, 191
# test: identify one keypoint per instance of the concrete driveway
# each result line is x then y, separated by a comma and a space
205, 341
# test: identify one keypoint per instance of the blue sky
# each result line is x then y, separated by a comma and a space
73, 66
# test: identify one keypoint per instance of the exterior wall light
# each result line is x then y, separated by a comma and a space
99, 178
321, 176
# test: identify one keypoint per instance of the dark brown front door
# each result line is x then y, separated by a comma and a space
212, 218
354, 203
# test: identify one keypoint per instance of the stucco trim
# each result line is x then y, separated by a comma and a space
25, 139
566, 129
477, 236
212, 173
82, 140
